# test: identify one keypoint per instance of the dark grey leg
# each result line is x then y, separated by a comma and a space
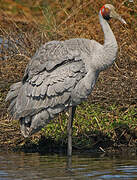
69, 163
69, 129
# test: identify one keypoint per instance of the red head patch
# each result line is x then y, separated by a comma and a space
105, 12
102, 10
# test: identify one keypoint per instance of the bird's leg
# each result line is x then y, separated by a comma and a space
69, 129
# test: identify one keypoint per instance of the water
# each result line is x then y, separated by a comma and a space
21, 166
8, 48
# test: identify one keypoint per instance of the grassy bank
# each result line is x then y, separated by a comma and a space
107, 121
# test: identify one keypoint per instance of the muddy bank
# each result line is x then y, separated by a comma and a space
97, 128
107, 122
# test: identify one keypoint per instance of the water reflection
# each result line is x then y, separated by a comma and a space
9, 47
3, 42
35, 166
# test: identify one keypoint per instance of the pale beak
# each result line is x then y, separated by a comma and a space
122, 20
117, 16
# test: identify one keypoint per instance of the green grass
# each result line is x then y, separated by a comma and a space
101, 124
93, 122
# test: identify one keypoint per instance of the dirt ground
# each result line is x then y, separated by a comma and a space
117, 85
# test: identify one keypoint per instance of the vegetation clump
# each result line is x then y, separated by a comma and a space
108, 119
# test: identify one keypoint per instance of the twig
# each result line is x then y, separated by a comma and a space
102, 149
23, 55
74, 13
98, 123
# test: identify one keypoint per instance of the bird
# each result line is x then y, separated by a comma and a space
61, 75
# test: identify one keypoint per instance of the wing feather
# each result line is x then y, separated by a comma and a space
54, 54
49, 90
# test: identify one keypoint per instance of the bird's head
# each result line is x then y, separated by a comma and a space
108, 12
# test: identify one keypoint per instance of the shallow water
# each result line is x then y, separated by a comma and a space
8, 46
30, 166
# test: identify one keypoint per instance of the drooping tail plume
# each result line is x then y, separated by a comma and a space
12, 95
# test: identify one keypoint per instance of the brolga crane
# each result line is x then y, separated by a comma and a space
61, 75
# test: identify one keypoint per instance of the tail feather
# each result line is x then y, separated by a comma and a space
12, 95
13, 92
12, 106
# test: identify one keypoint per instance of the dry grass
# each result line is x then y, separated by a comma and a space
29, 27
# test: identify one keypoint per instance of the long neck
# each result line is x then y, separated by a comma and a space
110, 44
109, 37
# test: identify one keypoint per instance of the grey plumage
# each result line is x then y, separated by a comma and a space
60, 75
